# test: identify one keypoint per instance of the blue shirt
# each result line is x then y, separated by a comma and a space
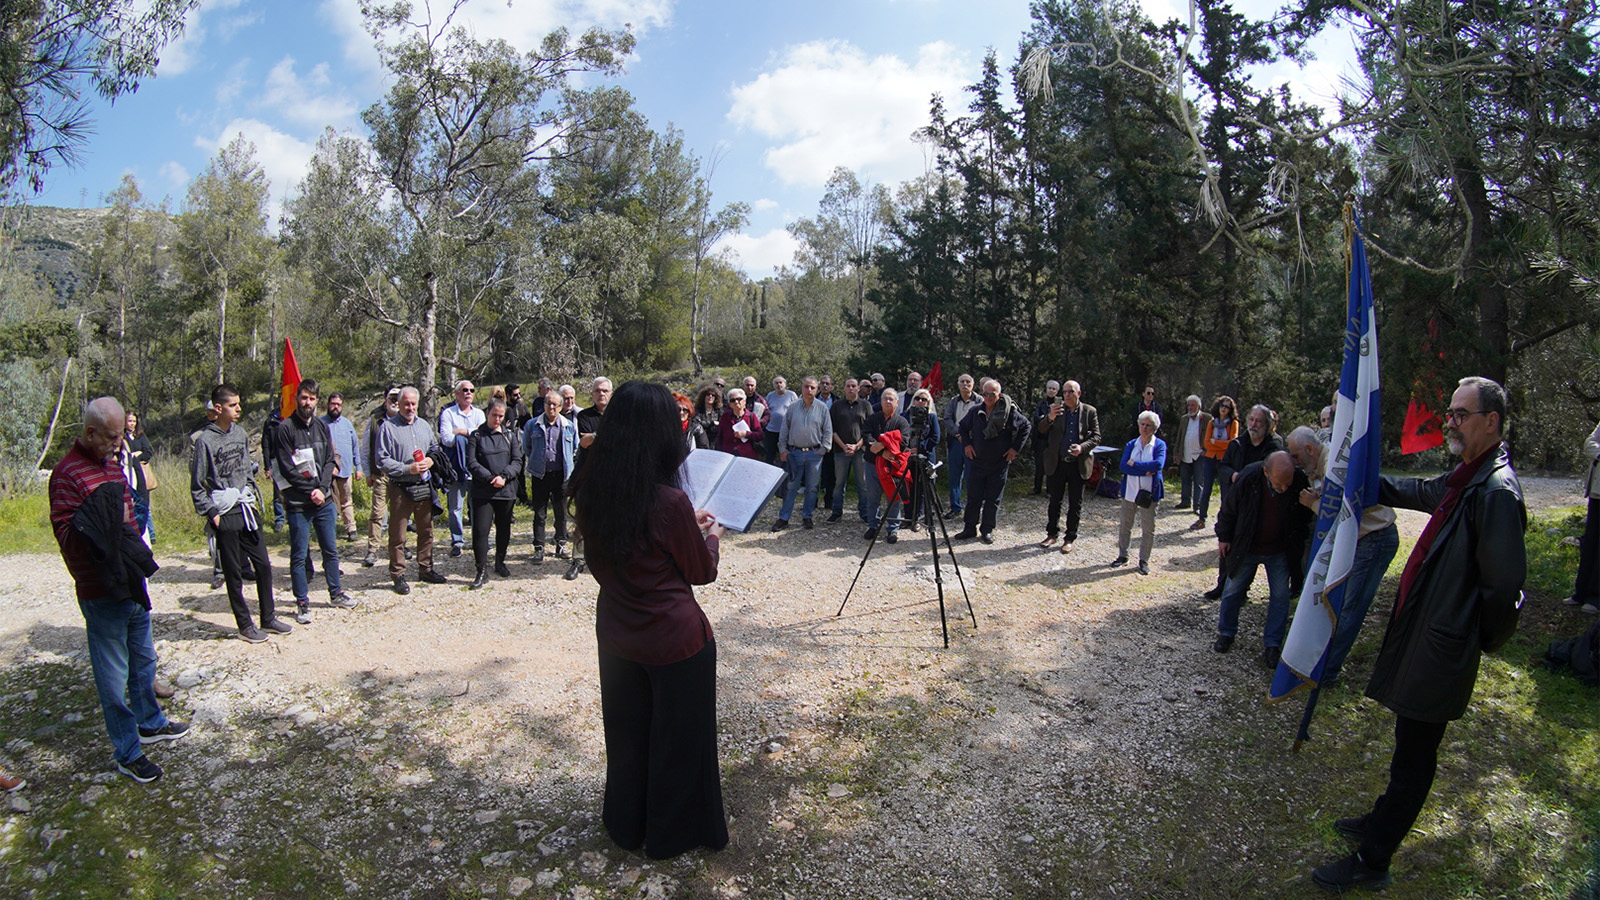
345, 447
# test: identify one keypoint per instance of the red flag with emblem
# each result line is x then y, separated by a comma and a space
935, 380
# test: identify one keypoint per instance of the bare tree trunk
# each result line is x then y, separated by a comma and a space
222, 328
430, 361
694, 317
55, 416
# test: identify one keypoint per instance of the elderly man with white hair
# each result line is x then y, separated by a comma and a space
457, 422
992, 435
1191, 436
1375, 549
91, 513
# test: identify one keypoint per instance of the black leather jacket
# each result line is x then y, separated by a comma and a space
1465, 599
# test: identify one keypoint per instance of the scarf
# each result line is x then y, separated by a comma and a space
999, 416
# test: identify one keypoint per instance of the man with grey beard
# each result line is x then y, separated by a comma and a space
1459, 597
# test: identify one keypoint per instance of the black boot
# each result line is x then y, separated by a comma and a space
478, 581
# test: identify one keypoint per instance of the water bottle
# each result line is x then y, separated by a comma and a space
416, 456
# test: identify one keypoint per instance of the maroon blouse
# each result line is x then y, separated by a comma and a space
647, 612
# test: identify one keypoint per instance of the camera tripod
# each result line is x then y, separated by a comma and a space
918, 475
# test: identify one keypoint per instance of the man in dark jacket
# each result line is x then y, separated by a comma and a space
1262, 523
1254, 445
992, 435
269, 452
377, 479
1459, 596
1067, 432
303, 471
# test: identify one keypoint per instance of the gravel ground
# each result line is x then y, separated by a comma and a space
448, 743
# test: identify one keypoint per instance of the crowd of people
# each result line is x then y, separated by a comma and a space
610, 469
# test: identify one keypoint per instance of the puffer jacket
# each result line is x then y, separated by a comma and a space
1466, 597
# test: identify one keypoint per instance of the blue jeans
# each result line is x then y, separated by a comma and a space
806, 466
958, 467
1373, 555
123, 657
141, 514
324, 519
1205, 476
453, 499
843, 464
875, 497
1238, 586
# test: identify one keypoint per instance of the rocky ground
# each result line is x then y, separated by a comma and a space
1081, 739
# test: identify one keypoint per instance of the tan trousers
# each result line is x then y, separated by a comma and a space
345, 504
378, 521
402, 508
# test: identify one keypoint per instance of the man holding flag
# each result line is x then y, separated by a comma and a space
1459, 594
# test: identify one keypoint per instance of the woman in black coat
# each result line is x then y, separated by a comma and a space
140, 454
494, 456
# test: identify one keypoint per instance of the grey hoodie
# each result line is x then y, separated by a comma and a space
221, 461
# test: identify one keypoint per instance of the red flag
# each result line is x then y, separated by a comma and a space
1421, 431
935, 381
291, 379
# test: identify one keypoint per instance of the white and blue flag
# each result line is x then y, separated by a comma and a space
1350, 486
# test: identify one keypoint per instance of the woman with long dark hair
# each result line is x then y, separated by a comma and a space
647, 546
139, 454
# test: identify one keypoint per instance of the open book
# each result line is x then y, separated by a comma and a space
732, 488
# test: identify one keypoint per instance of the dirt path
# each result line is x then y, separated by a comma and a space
450, 739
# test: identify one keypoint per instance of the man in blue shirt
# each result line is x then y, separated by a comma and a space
347, 461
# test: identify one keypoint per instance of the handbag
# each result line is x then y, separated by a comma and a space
1145, 499
150, 482
419, 492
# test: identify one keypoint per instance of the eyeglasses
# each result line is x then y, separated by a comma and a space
464, 390
684, 412
1457, 416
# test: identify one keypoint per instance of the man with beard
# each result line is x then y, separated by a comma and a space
347, 462
1459, 598
406, 445
303, 471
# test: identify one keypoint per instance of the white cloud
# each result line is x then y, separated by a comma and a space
828, 104
174, 175
764, 204
232, 85
310, 101
283, 157
181, 55
760, 255
523, 24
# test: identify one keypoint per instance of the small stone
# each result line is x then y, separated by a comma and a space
72, 718
547, 878
20, 804
837, 791
136, 854
485, 816
591, 863
1027, 839
783, 825
93, 794
189, 678
518, 886
499, 860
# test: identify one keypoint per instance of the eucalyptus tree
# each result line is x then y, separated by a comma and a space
222, 244
457, 173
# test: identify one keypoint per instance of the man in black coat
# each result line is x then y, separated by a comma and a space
992, 434
302, 473
1262, 523
1459, 597
1256, 443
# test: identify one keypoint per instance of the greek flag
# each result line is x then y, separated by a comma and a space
1350, 486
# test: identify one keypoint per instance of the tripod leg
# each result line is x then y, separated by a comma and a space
876, 530
944, 533
925, 484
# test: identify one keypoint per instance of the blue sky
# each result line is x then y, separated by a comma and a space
783, 92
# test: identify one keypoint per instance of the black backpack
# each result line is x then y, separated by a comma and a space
1580, 654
